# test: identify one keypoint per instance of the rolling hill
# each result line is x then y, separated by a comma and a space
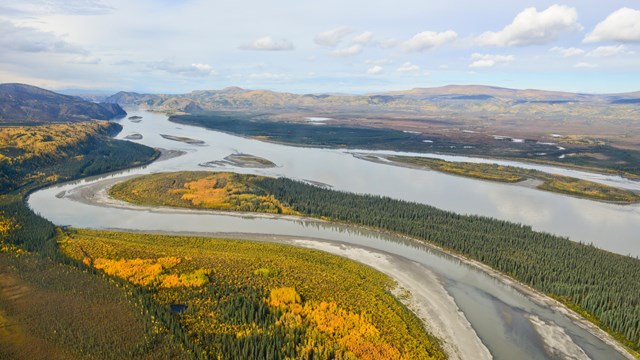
21, 103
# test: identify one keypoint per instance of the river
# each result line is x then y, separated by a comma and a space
508, 322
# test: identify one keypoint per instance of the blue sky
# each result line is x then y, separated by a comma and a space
320, 46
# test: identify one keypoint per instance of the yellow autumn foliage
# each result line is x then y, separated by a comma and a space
339, 308
353, 331
203, 190
283, 296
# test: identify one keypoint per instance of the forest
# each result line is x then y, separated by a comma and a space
599, 285
68, 294
49, 304
584, 153
258, 300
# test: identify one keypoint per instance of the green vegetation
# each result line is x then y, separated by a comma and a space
604, 285
203, 190
116, 295
51, 307
35, 155
52, 310
494, 172
260, 300
593, 156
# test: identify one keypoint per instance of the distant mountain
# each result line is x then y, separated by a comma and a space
26, 103
475, 98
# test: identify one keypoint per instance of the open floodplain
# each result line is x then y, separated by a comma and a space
495, 318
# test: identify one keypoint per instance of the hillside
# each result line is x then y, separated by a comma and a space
469, 99
20, 103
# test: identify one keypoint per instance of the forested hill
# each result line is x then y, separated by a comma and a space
20, 103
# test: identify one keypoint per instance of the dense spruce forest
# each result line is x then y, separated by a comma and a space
598, 284
601, 157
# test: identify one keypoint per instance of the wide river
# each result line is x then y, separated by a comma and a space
504, 318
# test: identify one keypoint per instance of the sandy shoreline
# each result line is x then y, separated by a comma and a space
430, 301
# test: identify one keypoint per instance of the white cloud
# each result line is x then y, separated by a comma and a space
332, 37
363, 38
621, 25
532, 27
267, 43
48, 7
428, 39
31, 40
585, 65
606, 51
348, 51
408, 67
375, 70
567, 52
86, 60
488, 60
196, 70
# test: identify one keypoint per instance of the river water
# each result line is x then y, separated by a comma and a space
497, 312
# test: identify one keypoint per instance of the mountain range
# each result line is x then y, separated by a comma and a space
21, 103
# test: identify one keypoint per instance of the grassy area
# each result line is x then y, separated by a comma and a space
202, 190
493, 172
255, 297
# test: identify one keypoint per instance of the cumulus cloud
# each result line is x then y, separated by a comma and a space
567, 52
408, 67
195, 70
531, 27
332, 37
375, 70
348, 51
606, 51
585, 65
428, 39
27, 39
267, 43
621, 25
488, 60
363, 38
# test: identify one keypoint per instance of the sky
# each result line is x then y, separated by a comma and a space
328, 46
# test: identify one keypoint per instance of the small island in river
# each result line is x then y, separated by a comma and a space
511, 174
241, 160
183, 139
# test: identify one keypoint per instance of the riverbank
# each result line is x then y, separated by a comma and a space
100, 198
